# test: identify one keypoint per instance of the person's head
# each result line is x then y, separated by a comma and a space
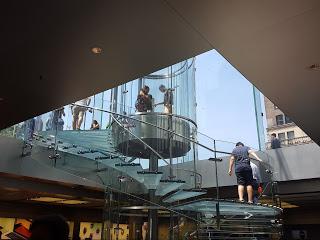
51, 227
273, 135
162, 88
239, 144
145, 89
95, 122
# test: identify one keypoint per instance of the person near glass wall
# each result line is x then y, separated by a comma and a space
78, 112
57, 121
167, 98
144, 100
95, 125
243, 170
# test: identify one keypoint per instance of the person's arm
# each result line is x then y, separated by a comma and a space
158, 104
251, 152
88, 101
231, 162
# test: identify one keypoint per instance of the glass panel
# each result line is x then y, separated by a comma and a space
183, 195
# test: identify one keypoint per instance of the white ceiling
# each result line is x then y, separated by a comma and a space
46, 60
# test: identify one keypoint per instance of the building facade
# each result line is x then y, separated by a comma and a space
280, 124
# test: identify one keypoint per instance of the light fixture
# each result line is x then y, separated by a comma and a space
96, 50
315, 67
46, 199
58, 200
72, 202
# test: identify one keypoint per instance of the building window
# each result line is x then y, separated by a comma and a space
288, 120
280, 119
290, 135
281, 136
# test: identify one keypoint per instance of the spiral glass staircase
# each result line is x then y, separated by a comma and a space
137, 159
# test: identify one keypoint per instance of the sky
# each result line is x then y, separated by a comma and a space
225, 105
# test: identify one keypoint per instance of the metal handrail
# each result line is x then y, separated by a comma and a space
166, 114
161, 128
153, 125
154, 151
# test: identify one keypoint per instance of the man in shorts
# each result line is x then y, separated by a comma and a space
78, 112
243, 170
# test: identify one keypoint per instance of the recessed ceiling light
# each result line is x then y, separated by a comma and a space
96, 50
47, 199
314, 67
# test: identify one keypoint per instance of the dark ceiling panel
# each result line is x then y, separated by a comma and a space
46, 60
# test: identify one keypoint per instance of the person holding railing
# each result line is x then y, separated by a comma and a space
167, 98
240, 158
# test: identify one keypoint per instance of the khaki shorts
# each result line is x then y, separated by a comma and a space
78, 111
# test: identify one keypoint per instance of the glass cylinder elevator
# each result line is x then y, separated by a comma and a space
172, 108
162, 111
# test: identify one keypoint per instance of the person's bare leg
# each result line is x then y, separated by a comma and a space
250, 193
74, 122
80, 119
240, 192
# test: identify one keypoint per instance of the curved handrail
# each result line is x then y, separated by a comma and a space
147, 145
153, 150
265, 164
166, 114
158, 127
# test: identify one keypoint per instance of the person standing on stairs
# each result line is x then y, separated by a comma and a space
256, 181
78, 112
240, 158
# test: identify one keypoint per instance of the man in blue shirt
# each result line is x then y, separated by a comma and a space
275, 142
240, 157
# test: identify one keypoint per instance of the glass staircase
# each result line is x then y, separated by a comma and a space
96, 151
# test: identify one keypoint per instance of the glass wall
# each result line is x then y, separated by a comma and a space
179, 79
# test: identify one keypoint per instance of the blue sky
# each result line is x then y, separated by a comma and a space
225, 106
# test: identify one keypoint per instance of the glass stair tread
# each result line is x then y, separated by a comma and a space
98, 139
184, 194
151, 179
228, 207
131, 169
167, 186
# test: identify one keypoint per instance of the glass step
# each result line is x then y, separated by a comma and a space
167, 186
100, 140
232, 208
184, 194
151, 179
131, 169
